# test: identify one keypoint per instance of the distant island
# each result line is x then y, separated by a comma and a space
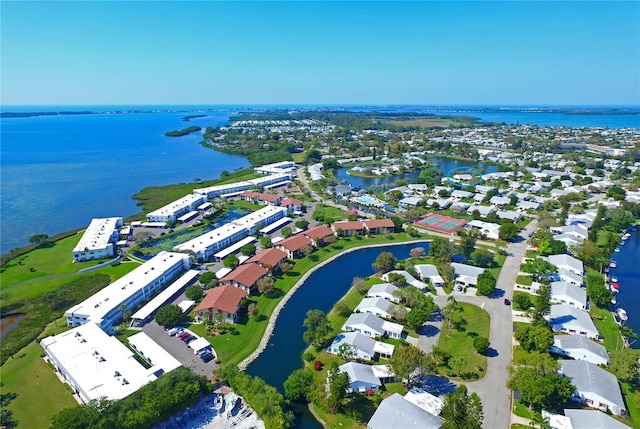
189, 117
182, 132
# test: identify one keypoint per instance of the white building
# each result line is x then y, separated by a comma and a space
429, 273
284, 167
567, 262
569, 293
175, 209
580, 348
237, 188
568, 319
360, 345
466, 275
208, 244
595, 387
98, 239
372, 326
104, 308
96, 364
487, 229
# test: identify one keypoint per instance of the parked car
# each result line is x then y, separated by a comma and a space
207, 357
507, 302
203, 351
188, 338
184, 335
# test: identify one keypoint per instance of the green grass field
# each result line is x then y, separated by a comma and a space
460, 343
524, 280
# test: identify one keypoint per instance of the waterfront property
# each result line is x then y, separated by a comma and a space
98, 240
172, 211
348, 228
293, 245
224, 300
372, 326
580, 348
106, 307
284, 167
318, 235
384, 290
569, 293
245, 277
395, 412
361, 377
566, 318
233, 189
270, 258
378, 306
429, 272
408, 277
361, 346
595, 387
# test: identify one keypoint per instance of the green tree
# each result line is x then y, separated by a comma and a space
534, 338
306, 250
252, 310
385, 262
248, 250
194, 292
486, 284
535, 375
468, 242
419, 315
462, 410
541, 305
410, 363
302, 224
338, 383
318, 328
265, 242
624, 363
206, 277
451, 312
456, 363
359, 285
397, 280
441, 249
508, 231
231, 261
38, 239
286, 231
482, 258
285, 267
312, 156
266, 285
298, 384
481, 344
417, 252
522, 301
169, 315
597, 291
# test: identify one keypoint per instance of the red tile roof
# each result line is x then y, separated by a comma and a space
269, 197
318, 232
271, 257
246, 275
348, 226
379, 223
295, 242
290, 202
223, 298
250, 194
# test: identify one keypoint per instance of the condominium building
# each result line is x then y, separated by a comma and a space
98, 240
236, 188
175, 209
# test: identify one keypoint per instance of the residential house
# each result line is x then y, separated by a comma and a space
408, 277
291, 204
486, 229
425, 400
459, 194
293, 245
429, 273
570, 277
466, 275
580, 348
509, 214
318, 235
592, 419
361, 346
565, 318
395, 412
499, 201
349, 228
372, 326
383, 290
459, 207
250, 196
379, 226
408, 202
378, 306
223, 300
484, 211
569, 293
245, 276
579, 232
270, 258
269, 199
595, 387
527, 205
361, 377
567, 262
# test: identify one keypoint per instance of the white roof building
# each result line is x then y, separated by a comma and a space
565, 318
395, 412
239, 187
98, 239
488, 229
569, 293
96, 364
429, 273
595, 387
410, 279
383, 290
570, 277
103, 308
372, 326
284, 167
592, 419
580, 348
173, 210
361, 377
425, 400
466, 275
378, 306
362, 346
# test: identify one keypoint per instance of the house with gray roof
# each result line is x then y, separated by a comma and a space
592, 419
484, 211
568, 319
595, 387
429, 273
409, 202
569, 293
527, 205
361, 377
395, 412
378, 306
466, 275
509, 214
459, 194
372, 326
579, 231
383, 290
580, 348
408, 277
570, 277
363, 347
499, 201
567, 262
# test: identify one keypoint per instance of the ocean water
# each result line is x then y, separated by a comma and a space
57, 173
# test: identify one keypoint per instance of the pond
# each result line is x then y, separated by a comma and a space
445, 165
7, 323
321, 291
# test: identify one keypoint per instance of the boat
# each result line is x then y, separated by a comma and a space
614, 279
622, 314
218, 403
232, 401
622, 243
617, 250
613, 264
613, 300
615, 285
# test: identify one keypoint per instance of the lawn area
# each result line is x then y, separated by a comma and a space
460, 342
235, 345
40, 394
524, 280
245, 205
607, 327
52, 258
327, 214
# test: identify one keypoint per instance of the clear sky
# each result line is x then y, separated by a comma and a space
206, 52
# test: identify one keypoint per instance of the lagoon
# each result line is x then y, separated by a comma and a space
321, 291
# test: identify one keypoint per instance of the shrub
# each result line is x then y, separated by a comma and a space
317, 365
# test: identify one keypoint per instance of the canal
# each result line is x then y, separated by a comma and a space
321, 291
628, 273
445, 165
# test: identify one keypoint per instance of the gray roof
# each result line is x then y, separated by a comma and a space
568, 260
377, 302
588, 377
426, 270
367, 319
360, 372
467, 270
356, 339
564, 314
395, 412
578, 342
570, 290
593, 419
383, 287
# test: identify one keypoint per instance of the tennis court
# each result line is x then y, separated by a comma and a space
441, 223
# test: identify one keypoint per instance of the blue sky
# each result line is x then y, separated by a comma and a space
523, 53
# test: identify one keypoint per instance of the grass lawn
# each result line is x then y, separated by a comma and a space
328, 214
521, 410
40, 394
524, 280
607, 327
245, 205
460, 342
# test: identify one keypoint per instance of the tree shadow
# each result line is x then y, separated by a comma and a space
491, 352
429, 330
472, 334
436, 384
